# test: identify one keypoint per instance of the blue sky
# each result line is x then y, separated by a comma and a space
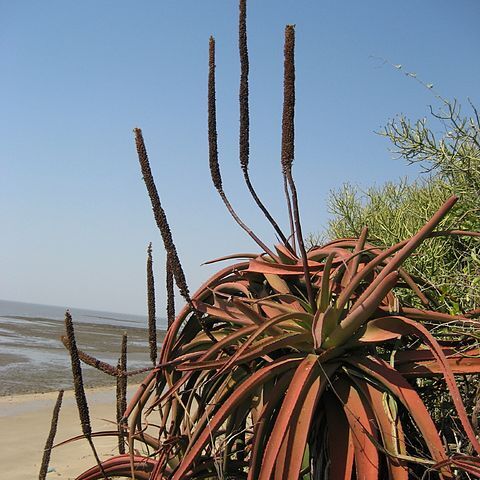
77, 77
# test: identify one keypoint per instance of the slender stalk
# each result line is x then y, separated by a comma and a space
163, 226
122, 394
92, 361
77, 377
170, 293
103, 366
290, 214
244, 140
288, 147
161, 218
288, 125
152, 322
213, 150
51, 437
79, 389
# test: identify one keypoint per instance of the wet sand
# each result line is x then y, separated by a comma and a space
25, 423
33, 358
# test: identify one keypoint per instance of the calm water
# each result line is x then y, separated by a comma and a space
33, 358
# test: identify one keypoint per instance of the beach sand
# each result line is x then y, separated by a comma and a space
25, 423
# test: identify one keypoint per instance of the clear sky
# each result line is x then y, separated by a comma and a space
77, 77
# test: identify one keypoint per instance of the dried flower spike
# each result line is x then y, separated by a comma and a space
160, 217
51, 437
122, 394
288, 117
92, 361
170, 293
288, 148
213, 149
152, 321
79, 389
77, 377
244, 140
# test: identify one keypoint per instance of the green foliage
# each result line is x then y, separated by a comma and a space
450, 162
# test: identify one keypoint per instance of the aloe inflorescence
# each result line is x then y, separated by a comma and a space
152, 322
77, 377
296, 364
121, 394
160, 217
79, 389
213, 148
288, 147
244, 136
169, 287
51, 437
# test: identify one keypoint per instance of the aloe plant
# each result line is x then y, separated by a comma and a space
296, 364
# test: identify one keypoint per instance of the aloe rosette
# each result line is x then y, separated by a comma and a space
296, 364
284, 385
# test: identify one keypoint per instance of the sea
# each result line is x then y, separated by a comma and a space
33, 358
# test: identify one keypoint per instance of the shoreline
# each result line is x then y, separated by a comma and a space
34, 359
25, 423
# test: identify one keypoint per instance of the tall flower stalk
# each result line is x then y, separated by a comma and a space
152, 321
79, 389
51, 437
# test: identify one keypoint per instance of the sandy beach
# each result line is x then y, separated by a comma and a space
25, 423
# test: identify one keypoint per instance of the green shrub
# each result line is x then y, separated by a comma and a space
451, 165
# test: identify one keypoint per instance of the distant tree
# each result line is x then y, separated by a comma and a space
450, 163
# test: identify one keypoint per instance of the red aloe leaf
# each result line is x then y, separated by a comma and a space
321, 253
199, 295
381, 257
277, 283
260, 349
340, 443
373, 334
352, 267
254, 316
147, 439
323, 324
438, 317
281, 286
422, 363
121, 466
354, 320
279, 472
465, 462
299, 431
242, 392
261, 266
213, 350
140, 391
413, 285
264, 424
406, 394
229, 314
286, 255
390, 429
363, 426
236, 286
307, 372
408, 248
233, 256
284, 306
404, 326
323, 297
265, 326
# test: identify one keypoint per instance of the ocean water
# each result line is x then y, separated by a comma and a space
33, 358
